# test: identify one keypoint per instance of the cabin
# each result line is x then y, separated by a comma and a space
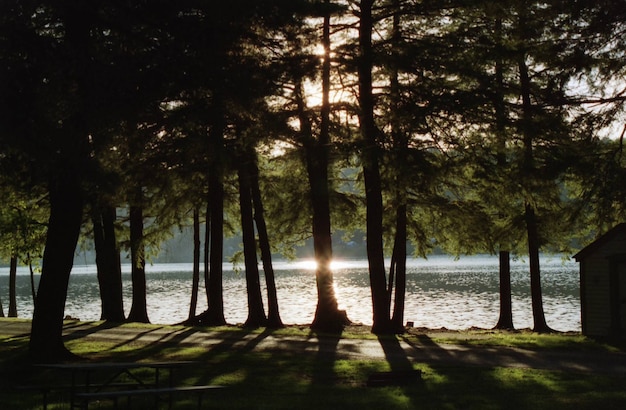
603, 285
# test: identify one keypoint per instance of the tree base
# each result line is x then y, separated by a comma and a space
205, 319
544, 329
332, 322
50, 354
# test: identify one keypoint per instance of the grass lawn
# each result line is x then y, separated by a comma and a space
292, 380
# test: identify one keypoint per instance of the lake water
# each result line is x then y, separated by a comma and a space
441, 292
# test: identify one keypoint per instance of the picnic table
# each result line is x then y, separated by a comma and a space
113, 380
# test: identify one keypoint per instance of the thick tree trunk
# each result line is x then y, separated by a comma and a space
256, 311
373, 187
139, 309
273, 314
66, 211
328, 317
505, 321
108, 264
12, 285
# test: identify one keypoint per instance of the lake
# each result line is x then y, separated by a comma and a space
441, 292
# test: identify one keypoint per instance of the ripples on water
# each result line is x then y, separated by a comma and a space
441, 292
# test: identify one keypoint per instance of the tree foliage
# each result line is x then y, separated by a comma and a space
472, 126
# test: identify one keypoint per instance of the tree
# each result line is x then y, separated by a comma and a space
226, 71
108, 263
371, 173
256, 312
67, 166
273, 314
316, 146
22, 230
55, 53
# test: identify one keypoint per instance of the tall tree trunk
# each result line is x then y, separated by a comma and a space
505, 321
65, 197
327, 317
273, 313
397, 270
256, 311
214, 316
66, 211
12, 285
195, 279
371, 173
139, 309
108, 264
530, 217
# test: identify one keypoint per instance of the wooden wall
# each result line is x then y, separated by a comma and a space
594, 286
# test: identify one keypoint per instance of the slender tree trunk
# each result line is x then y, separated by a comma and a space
33, 292
66, 211
397, 271
207, 241
505, 320
12, 287
116, 307
399, 257
139, 309
101, 258
273, 314
371, 173
539, 319
195, 280
256, 311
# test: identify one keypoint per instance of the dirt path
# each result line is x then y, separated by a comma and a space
390, 349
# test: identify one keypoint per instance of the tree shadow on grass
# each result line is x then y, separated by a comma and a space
324, 363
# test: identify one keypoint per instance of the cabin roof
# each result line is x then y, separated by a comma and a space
600, 242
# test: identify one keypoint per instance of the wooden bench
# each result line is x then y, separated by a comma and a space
47, 389
83, 399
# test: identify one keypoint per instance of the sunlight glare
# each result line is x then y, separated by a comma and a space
311, 264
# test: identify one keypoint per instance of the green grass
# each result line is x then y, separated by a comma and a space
527, 340
291, 380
